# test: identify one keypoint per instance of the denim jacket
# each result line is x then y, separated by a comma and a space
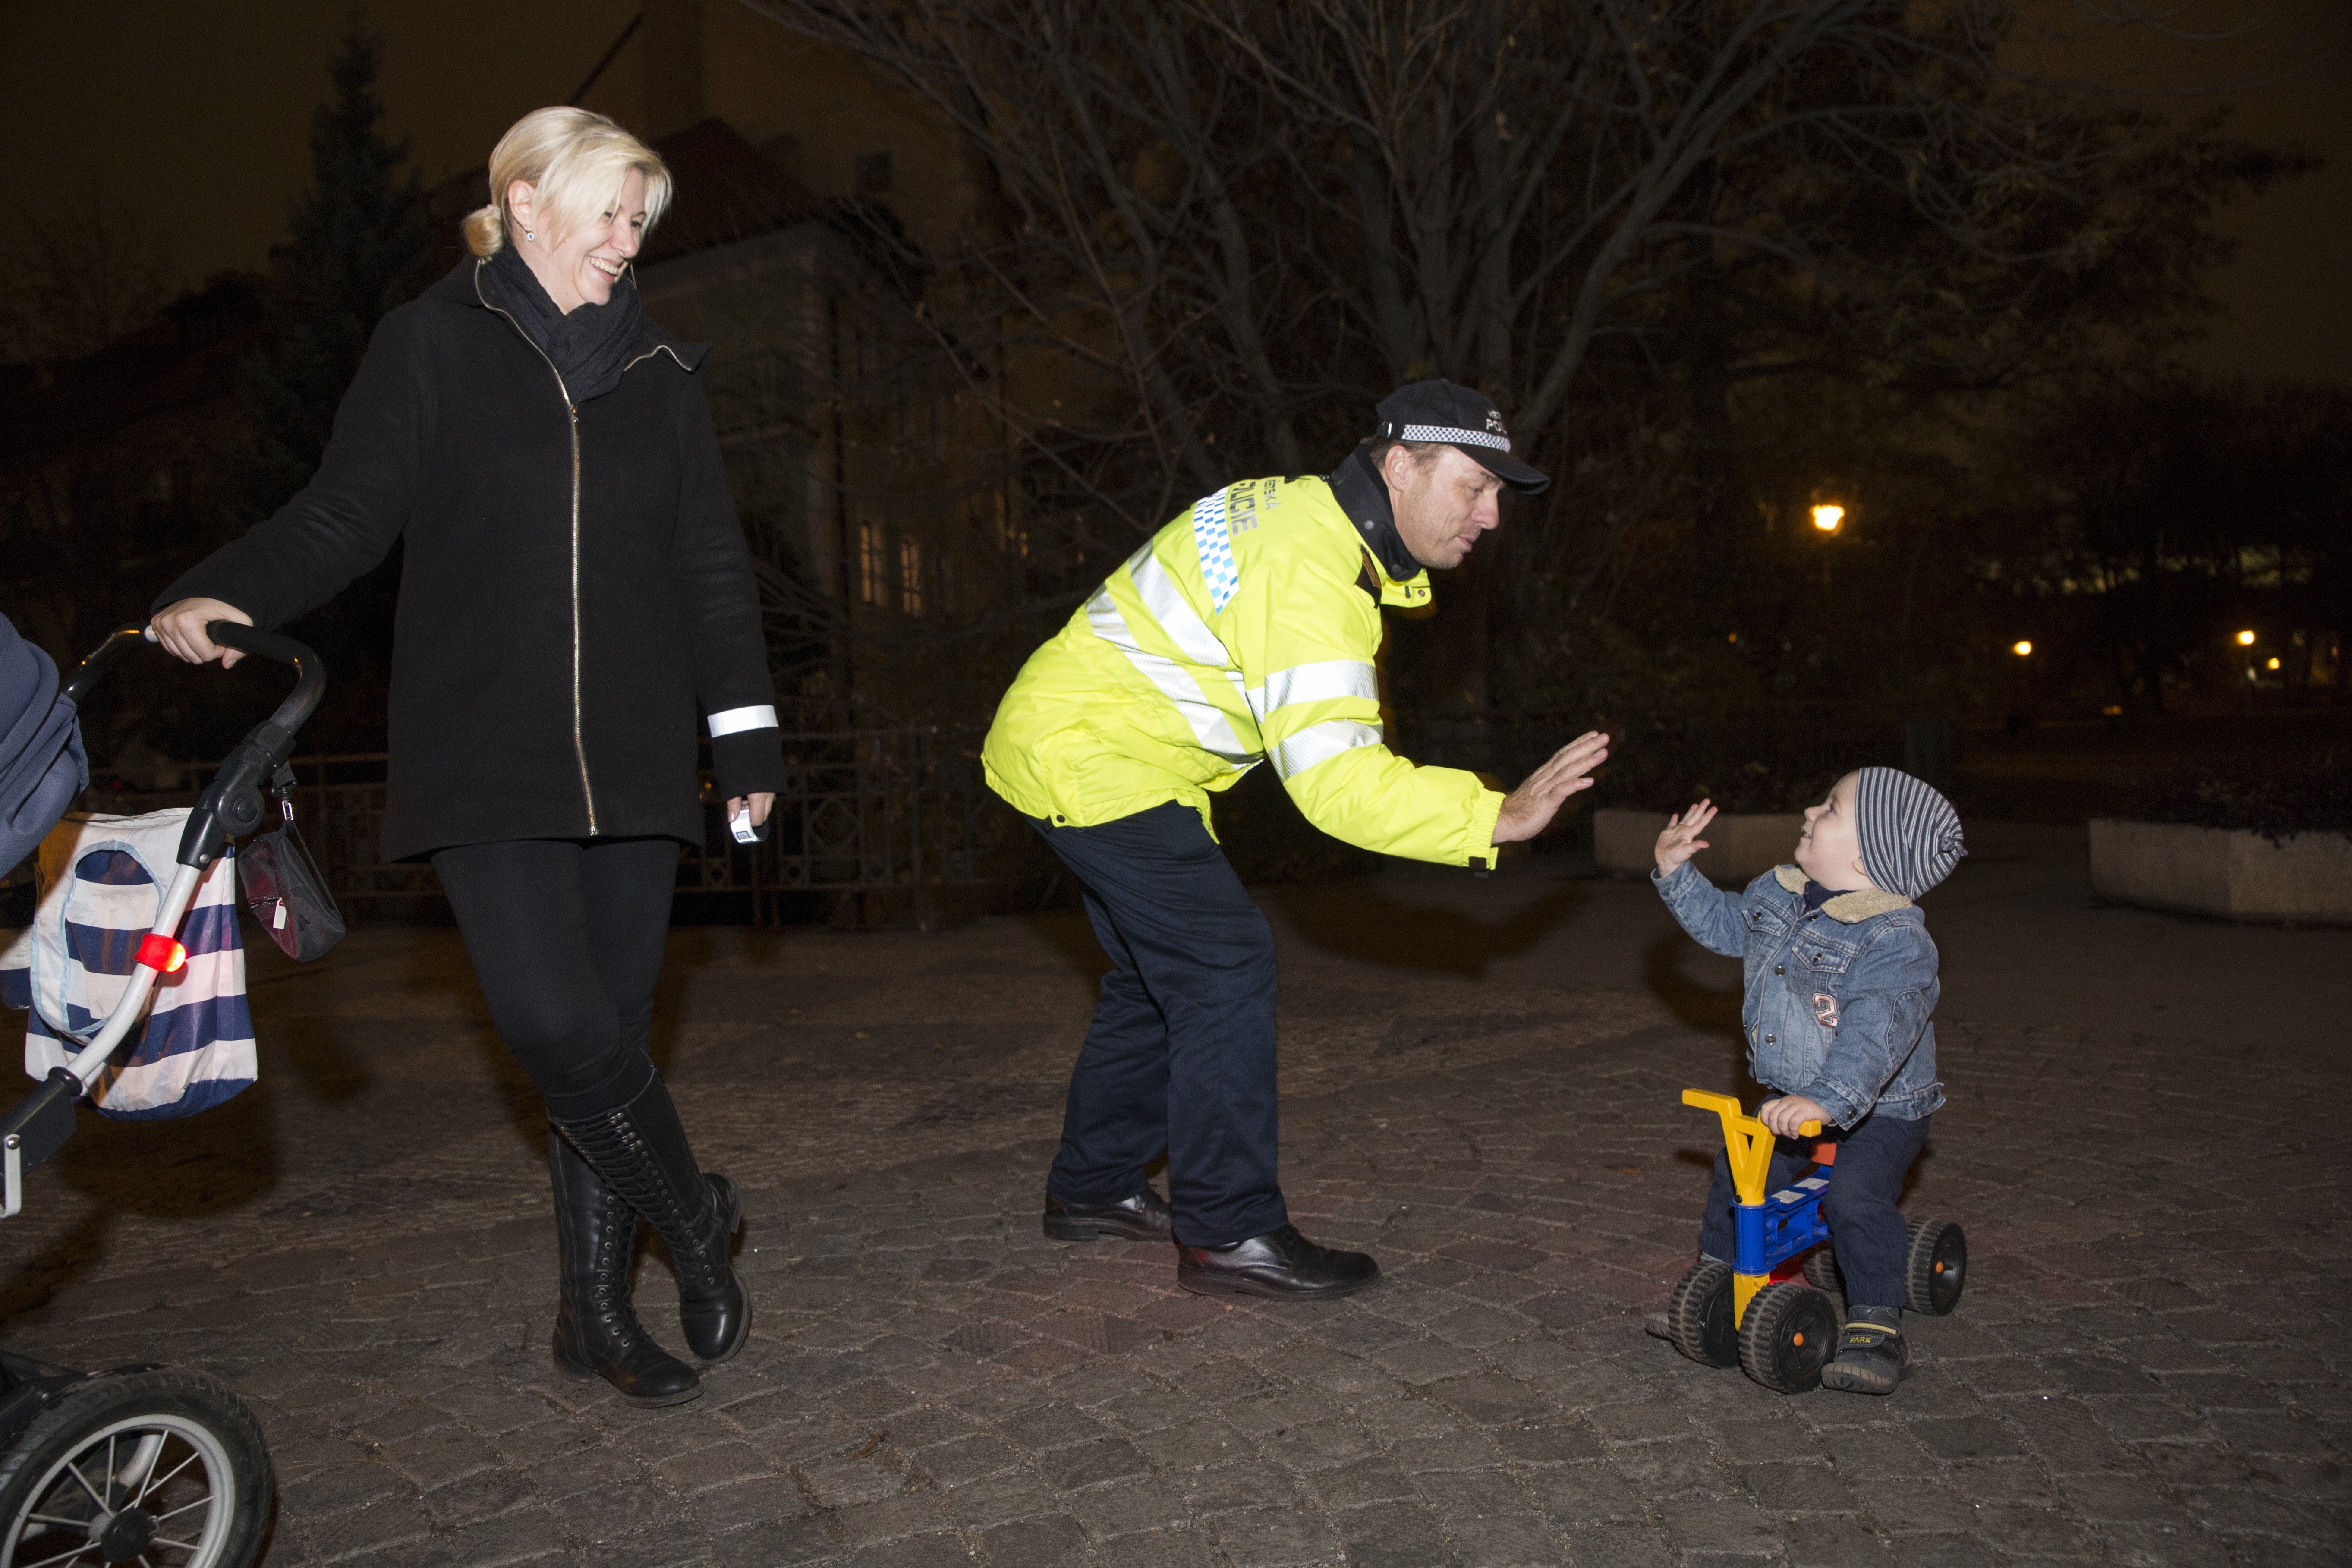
1838, 1000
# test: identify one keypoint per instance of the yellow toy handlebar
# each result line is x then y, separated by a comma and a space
1746, 1139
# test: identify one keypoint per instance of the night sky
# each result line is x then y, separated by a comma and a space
197, 114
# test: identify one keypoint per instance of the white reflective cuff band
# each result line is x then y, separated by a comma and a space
735, 721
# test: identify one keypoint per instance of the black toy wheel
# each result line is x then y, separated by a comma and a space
162, 1465
1821, 1270
1788, 1335
1938, 1267
1698, 1315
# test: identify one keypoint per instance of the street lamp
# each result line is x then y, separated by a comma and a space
2021, 648
1828, 516
2245, 639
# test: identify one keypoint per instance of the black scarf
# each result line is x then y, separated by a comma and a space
588, 346
1363, 495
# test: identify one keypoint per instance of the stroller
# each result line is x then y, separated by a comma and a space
160, 1465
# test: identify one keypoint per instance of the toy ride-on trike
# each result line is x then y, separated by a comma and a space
160, 1465
1752, 1313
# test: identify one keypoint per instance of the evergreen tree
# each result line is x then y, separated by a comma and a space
360, 244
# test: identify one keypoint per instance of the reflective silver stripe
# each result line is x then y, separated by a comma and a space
1321, 743
737, 720
1325, 681
1166, 602
1210, 726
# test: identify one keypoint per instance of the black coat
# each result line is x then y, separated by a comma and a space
545, 669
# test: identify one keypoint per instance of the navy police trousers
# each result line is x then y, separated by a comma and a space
1181, 1054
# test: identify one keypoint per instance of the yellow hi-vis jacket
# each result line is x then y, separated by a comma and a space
1244, 630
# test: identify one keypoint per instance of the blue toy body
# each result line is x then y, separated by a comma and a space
1784, 1225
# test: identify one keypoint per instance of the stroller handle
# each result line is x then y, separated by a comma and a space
310, 677
119, 641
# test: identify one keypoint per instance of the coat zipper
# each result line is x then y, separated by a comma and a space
579, 742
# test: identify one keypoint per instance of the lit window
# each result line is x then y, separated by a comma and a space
910, 576
869, 563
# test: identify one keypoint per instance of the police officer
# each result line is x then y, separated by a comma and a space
1245, 632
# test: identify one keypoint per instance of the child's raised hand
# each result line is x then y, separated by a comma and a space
1681, 839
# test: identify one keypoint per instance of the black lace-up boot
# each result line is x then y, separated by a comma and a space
596, 1330
641, 1151
1872, 1354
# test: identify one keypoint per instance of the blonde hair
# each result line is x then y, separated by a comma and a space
575, 162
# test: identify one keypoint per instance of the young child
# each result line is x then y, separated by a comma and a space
1840, 981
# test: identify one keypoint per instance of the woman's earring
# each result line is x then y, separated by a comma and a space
531, 235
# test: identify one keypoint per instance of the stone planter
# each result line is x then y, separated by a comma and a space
2216, 871
1738, 848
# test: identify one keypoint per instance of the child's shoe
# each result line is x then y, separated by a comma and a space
1872, 1355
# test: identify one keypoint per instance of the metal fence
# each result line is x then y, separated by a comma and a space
886, 817
872, 826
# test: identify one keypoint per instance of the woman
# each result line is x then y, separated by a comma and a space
574, 582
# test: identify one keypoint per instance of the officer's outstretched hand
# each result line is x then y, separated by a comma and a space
1531, 806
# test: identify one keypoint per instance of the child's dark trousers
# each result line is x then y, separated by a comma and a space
1865, 1228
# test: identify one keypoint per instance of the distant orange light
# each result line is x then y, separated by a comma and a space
2273, 664
2021, 648
2245, 639
1827, 518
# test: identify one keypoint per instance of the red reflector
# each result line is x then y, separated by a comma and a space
162, 954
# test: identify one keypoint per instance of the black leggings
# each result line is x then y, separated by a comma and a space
566, 937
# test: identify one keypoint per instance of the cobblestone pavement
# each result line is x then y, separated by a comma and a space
1481, 1087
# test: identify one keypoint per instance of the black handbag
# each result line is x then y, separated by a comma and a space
283, 886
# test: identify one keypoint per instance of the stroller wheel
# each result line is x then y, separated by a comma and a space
159, 1465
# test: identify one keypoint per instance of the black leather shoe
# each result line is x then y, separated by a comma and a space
596, 1330
1281, 1264
1143, 1217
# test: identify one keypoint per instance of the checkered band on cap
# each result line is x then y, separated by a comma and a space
1453, 433
1216, 543
1909, 833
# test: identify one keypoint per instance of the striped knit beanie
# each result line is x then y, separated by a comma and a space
1910, 835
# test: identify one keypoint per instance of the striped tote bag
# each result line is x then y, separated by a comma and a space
101, 884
